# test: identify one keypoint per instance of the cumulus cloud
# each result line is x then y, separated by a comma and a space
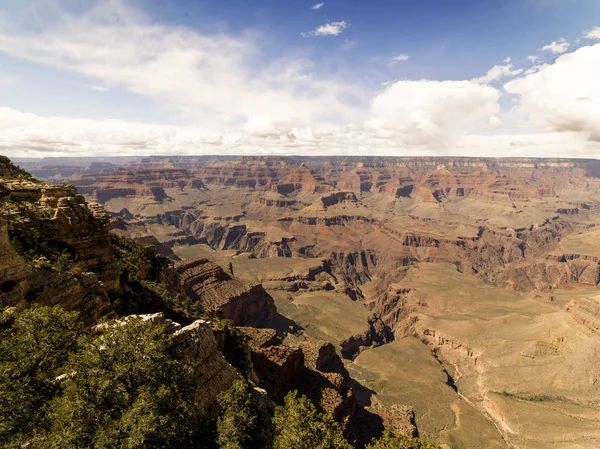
30, 133
563, 96
317, 6
556, 47
23, 134
329, 29
532, 59
199, 77
400, 58
264, 125
497, 72
594, 34
224, 102
432, 112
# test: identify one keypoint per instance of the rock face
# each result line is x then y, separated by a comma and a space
14, 271
377, 335
225, 296
53, 226
312, 368
197, 345
586, 311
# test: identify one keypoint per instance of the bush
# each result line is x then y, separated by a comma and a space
237, 422
298, 425
32, 353
128, 391
391, 441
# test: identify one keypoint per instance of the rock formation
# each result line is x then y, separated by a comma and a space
225, 296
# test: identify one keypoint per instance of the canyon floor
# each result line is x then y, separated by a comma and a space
465, 289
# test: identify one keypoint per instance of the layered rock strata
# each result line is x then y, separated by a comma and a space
224, 295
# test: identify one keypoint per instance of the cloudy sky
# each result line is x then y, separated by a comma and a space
389, 77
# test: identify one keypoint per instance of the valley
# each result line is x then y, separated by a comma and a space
463, 291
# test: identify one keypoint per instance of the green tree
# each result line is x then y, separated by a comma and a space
237, 422
299, 425
390, 440
32, 351
127, 390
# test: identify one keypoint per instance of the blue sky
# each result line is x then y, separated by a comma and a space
404, 77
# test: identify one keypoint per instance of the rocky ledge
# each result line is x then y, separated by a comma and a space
224, 295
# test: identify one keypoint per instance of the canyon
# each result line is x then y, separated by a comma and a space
453, 298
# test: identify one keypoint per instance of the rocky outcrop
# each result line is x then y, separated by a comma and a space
377, 335
586, 311
196, 344
59, 214
56, 248
353, 269
278, 368
227, 297
338, 197
545, 275
224, 233
312, 368
14, 271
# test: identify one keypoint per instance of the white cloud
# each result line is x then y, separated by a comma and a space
432, 112
263, 125
317, 6
329, 29
227, 103
556, 47
563, 96
533, 59
400, 58
29, 133
497, 72
198, 77
23, 134
594, 34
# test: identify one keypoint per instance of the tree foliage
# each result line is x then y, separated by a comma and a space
32, 353
299, 425
390, 440
126, 390
237, 422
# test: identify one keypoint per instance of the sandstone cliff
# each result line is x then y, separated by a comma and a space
57, 247
225, 296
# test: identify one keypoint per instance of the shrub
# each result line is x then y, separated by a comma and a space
127, 390
32, 353
390, 440
237, 421
298, 425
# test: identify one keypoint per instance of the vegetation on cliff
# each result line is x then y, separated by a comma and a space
126, 387
66, 383
299, 425
391, 441
33, 352
10, 170
144, 280
121, 388
238, 424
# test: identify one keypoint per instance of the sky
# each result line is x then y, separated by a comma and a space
504, 78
